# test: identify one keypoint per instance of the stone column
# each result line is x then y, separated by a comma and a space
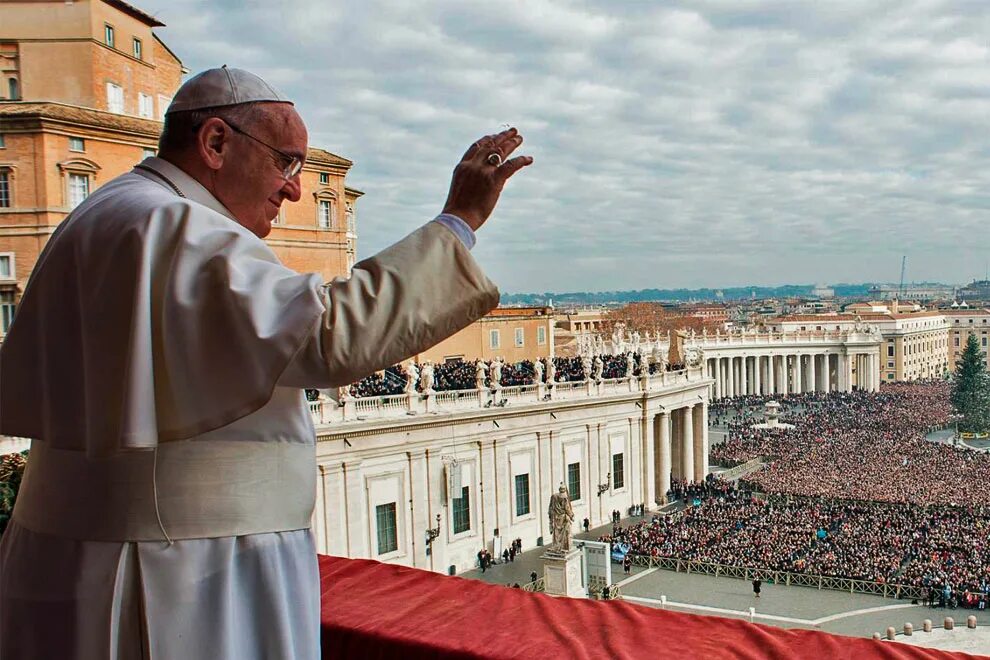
649, 461
419, 503
356, 512
700, 441
731, 376
687, 442
798, 375
771, 377
812, 375
757, 376
717, 372
663, 456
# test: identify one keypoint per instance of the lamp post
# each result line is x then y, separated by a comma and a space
432, 534
603, 488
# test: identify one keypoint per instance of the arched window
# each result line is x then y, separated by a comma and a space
13, 93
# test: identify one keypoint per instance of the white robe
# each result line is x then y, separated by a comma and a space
238, 597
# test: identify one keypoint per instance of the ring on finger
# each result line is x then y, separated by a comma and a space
494, 158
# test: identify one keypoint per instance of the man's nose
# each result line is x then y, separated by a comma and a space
292, 190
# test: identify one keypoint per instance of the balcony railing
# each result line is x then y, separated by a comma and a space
326, 411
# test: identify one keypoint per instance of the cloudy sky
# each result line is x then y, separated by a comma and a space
709, 143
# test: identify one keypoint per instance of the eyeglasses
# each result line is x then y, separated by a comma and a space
294, 165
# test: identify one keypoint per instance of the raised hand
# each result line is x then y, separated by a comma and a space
480, 176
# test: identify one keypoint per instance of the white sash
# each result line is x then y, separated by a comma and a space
205, 489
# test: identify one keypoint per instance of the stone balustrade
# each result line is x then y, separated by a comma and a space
326, 411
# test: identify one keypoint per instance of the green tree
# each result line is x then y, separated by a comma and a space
971, 389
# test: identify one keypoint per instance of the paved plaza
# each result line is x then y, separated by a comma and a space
784, 606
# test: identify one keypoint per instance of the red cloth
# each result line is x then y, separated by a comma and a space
374, 610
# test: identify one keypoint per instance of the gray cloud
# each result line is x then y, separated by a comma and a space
706, 143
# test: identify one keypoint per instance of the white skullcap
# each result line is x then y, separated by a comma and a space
218, 88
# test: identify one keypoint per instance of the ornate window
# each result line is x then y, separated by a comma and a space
78, 178
326, 201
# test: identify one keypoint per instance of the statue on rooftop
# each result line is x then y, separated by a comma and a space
586, 366
630, 364
551, 371
599, 367
496, 372
538, 371
480, 374
561, 515
412, 377
426, 377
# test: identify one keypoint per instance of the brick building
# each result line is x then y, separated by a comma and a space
62, 136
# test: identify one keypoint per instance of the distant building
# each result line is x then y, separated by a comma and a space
975, 290
912, 292
512, 333
823, 291
915, 341
962, 323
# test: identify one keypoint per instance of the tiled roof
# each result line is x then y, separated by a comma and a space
78, 115
133, 11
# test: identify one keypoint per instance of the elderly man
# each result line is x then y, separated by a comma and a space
159, 358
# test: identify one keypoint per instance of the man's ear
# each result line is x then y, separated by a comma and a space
212, 141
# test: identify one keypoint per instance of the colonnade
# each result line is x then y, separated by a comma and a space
793, 373
680, 447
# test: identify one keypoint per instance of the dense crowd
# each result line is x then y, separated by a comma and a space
461, 375
854, 490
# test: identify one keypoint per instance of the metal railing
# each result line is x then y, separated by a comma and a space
831, 583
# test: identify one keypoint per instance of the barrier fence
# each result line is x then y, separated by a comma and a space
850, 585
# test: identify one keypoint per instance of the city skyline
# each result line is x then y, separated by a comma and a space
684, 146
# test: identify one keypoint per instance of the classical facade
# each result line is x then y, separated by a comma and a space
511, 333
741, 363
64, 135
915, 342
430, 479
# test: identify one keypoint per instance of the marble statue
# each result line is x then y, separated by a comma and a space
412, 377
551, 371
694, 357
599, 367
426, 377
538, 372
480, 373
561, 515
630, 364
659, 358
496, 371
586, 366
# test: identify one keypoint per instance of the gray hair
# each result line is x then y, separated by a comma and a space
180, 129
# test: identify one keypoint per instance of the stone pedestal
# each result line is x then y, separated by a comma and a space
562, 574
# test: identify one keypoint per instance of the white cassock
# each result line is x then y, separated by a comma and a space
158, 358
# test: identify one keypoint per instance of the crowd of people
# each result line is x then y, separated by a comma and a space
854, 490
462, 375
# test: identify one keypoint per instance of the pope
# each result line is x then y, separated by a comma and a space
158, 361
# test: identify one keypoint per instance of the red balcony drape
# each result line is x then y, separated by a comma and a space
374, 610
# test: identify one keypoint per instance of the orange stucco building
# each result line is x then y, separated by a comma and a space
512, 333
64, 135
